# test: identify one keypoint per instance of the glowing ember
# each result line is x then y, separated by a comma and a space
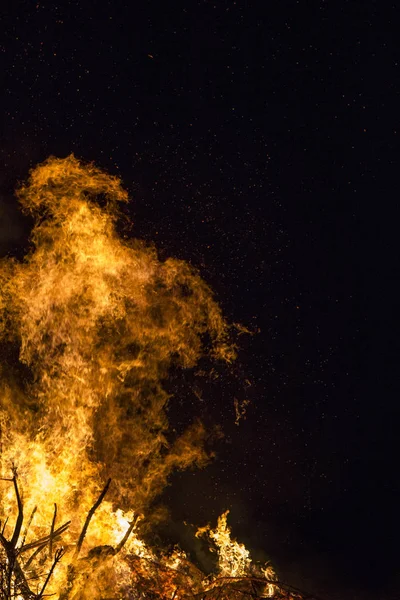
98, 322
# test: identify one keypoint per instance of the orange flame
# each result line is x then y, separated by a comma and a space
97, 322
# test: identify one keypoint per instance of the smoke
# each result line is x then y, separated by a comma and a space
96, 322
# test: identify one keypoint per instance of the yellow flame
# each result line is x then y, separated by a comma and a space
233, 558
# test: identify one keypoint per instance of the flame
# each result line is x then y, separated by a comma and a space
97, 322
233, 558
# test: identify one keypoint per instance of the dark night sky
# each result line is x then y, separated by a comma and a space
258, 141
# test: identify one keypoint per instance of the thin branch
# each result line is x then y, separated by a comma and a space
4, 526
45, 540
122, 543
89, 518
4, 542
41, 544
57, 557
20, 518
52, 530
34, 555
28, 525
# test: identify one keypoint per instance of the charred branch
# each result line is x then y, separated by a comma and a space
20, 517
4, 526
57, 557
150, 579
28, 526
89, 517
13, 575
42, 542
122, 543
52, 530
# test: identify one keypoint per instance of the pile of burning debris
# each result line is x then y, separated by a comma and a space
29, 569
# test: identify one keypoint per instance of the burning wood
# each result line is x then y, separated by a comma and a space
170, 577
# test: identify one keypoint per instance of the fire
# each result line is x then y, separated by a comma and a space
233, 558
97, 322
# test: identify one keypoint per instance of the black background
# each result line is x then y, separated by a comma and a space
259, 141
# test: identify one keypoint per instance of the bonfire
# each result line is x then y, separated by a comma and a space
91, 324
